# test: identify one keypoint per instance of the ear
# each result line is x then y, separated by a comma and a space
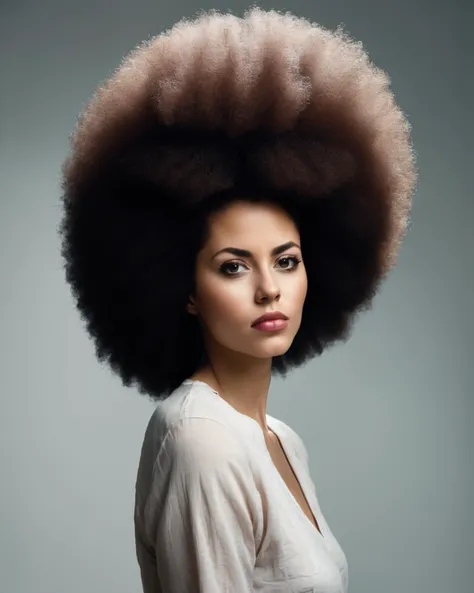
191, 307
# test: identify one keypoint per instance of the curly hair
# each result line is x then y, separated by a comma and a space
264, 107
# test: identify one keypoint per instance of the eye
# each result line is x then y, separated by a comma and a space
231, 264
293, 258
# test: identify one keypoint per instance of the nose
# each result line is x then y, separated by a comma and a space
268, 292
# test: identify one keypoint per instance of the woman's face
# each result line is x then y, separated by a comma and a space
231, 289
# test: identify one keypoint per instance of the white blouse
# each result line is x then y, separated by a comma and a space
212, 512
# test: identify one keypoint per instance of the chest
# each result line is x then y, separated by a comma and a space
285, 470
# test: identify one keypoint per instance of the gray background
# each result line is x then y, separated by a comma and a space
386, 417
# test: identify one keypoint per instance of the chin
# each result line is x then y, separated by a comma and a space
271, 350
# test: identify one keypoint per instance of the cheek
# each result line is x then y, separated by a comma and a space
299, 290
304, 290
225, 303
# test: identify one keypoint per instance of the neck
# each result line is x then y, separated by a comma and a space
245, 389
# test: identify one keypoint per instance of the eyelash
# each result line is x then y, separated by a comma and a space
293, 258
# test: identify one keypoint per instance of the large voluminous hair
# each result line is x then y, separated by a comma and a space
268, 107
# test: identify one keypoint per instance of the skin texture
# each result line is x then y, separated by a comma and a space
227, 304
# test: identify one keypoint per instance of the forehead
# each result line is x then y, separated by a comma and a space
252, 222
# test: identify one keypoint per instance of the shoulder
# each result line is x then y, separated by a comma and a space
201, 432
201, 459
202, 440
197, 401
189, 407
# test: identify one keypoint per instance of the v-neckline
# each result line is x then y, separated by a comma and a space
291, 461
288, 453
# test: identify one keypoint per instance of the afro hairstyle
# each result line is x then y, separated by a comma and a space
267, 106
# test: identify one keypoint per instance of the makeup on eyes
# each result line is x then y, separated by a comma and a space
295, 259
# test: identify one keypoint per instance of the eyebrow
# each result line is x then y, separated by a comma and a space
245, 253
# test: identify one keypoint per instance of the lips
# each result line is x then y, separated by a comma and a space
270, 316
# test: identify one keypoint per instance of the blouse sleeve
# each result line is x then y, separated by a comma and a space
201, 513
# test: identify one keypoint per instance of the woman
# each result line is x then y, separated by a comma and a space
230, 169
